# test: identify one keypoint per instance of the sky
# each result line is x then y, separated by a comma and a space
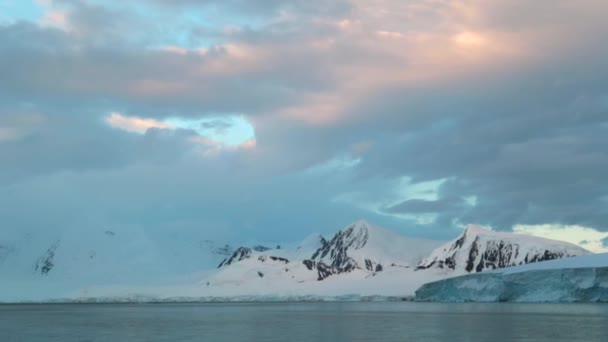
273, 119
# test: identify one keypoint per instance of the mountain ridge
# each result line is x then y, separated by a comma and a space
360, 258
477, 249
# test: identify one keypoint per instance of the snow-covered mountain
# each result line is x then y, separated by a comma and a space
247, 265
359, 260
44, 264
362, 246
478, 249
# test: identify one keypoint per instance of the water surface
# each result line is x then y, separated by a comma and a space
304, 322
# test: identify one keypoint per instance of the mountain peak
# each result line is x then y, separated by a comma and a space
360, 223
478, 249
358, 226
364, 228
474, 229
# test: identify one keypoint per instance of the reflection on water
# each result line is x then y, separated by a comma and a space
305, 322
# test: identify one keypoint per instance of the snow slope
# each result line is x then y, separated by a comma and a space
45, 265
359, 261
362, 246
578, 279
478, 249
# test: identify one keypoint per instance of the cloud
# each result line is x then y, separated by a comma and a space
261, 7
420, 206
134, 124
218, 125
55, 19
586, 237
469, 39
15, 126
500, 102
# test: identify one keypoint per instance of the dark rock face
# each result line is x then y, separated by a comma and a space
240, 254
490, 255
474, 251
310, 265
323, 271
369, 265
273, 258
332, 258
46, 262
500, 254
263, 258
341, 242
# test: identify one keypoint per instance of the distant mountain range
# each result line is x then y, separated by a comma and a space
361, 259
364, 251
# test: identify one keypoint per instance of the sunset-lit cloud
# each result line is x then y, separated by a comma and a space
421, 115
134, 124
469, 39
175, 49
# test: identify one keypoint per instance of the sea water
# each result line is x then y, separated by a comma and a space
324, 321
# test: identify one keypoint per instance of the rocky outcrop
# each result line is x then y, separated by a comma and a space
478, 249
332, 258
240, 254
46, 262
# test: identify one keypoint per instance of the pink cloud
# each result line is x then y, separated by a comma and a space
248, 145
175, 49
134, 124
183, 51
57, 19
157, 88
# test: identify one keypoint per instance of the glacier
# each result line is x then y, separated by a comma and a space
360, 262
579, 279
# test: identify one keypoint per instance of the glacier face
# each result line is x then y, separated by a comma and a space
578, 279
588, 284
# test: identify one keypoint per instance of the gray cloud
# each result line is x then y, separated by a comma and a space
419, 206
521, 127
263, 7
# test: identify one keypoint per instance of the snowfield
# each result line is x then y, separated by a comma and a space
360, 262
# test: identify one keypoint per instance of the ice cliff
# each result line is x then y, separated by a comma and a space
580, 279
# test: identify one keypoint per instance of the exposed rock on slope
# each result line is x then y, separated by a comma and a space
241, 253
478, 249
46, 262
362, 246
